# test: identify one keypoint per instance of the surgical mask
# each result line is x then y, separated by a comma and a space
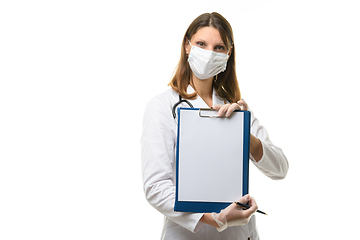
206, 63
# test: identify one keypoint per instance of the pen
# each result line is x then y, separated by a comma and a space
244, 206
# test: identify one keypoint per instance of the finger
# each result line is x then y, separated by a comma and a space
232, 108
249, 212
253, 204
244, 199
243, 105
217, 107
223, 110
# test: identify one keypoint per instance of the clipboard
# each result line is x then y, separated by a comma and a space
212, 159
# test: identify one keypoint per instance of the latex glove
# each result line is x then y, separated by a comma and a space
227, 109
233, 215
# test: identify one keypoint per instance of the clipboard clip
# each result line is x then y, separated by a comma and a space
208, 116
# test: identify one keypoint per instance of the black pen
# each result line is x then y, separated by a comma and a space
244, 206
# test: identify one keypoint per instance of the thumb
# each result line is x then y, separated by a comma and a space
216, 106
244, 199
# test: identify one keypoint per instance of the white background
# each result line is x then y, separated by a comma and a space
75, 79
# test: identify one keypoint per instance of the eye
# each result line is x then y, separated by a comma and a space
220, 48
200, 44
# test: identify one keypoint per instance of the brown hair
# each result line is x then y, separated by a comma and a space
226, 84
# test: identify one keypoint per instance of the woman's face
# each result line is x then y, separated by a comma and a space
207, 38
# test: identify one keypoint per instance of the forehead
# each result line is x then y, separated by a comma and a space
209, 34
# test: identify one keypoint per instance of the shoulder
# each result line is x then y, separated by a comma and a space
163, 101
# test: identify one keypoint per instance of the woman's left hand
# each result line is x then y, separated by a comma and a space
227, 109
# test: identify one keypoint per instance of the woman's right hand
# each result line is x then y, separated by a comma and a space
233, 215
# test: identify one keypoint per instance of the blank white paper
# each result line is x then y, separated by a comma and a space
210, 157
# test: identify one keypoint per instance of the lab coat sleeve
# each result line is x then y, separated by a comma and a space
158, 160
273, 163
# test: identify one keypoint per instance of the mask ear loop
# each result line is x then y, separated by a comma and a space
188, 54
192, 46
190, 43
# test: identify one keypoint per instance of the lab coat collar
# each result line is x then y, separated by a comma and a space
198, 102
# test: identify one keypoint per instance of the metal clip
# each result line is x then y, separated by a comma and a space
208, 116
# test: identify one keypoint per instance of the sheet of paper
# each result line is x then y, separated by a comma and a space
211, 157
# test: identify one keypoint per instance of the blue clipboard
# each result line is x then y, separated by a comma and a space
212, 159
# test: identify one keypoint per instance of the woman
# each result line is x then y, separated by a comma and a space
205, 77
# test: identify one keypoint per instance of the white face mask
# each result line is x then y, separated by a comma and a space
206, 63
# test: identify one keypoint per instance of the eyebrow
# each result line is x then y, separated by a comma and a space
221, 43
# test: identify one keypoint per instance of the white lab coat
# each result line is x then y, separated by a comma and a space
158, 143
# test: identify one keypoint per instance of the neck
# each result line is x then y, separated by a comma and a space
204, 88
